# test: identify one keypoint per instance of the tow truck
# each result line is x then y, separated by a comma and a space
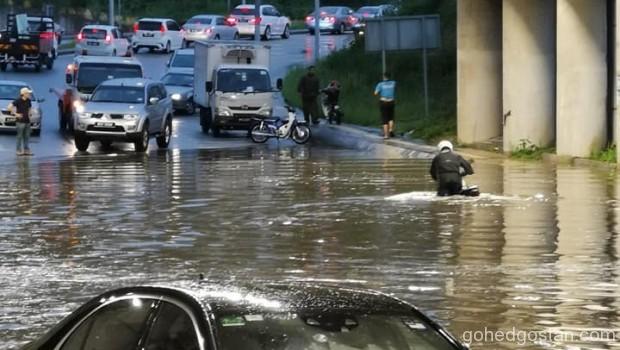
28, 42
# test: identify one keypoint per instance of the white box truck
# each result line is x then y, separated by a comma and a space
232, 84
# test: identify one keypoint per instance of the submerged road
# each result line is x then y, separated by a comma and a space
297, 50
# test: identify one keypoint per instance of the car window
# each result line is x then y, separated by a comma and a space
162, 91
149, 25
94, 33
118, 325
220, 21
173, 329
183, 61
172, 26
152, 92
114, 34
199, 20
267, 11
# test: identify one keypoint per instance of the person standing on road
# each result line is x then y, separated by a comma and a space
309, 88
22, 109
386, 90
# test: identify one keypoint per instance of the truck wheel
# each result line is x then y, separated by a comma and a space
81, 142
163, 140
142, 143
205, 119
62, 121
3, 67
267, 34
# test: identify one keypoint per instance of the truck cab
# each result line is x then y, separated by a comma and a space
28, 41
232, 84
83, 76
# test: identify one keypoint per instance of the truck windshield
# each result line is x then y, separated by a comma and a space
243, 80
11, 92
92, 74
333, 331
118, 94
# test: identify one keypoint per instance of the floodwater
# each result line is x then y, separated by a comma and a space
535, 255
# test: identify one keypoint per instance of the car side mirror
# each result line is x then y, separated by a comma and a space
209, 86
153, 100
279, 84
68, 78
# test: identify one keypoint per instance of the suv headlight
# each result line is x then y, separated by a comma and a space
84, 115
130, 116
265, 112
176, 96
223, 113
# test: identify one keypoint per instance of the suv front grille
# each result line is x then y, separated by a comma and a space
116, 116
116, 128
96, 115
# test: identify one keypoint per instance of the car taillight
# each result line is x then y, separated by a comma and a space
309, 18
352, 19
231, 21
135, 27
255, 20
208, 30
80, 37
46, 35
108, 38
162, 28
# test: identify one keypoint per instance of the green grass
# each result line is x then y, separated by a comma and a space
66, 45
608, 155
298, 24
358, 73
529, 151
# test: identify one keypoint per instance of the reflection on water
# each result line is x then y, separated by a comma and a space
537, 252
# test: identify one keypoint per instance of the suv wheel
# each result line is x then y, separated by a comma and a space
267, 34
135, 49
141, 144
167, 49
81, 142
163, 140
287, 32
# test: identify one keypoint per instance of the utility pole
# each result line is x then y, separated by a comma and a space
317, 30
257, 20
120, 19
111, 12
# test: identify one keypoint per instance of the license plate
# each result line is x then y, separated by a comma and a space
104, 124
9, 120
148, 35
92, 43
243, 20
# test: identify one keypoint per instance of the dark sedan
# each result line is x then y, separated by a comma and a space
206, 315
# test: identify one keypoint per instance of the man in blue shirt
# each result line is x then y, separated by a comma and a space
386, 90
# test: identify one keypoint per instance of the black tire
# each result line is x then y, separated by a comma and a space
259, 128
236, 37
81, 143
217, 37
163, 140
190, 108
37, 67
301, 134
167, 49
311, 31
286, 33
62, 121
205, 119
141, 144
267, 35
106, 144
50, 63
3, 67
135, 50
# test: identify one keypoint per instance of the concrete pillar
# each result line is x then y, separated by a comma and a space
581, 76
479, 70
528, 72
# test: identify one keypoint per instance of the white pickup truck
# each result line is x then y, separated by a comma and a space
232, 84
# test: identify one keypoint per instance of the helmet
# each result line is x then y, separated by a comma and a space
445, 144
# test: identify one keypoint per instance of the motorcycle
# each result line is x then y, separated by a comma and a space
331, 111
266, 128
469, 191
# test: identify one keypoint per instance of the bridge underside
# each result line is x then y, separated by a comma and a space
537, 71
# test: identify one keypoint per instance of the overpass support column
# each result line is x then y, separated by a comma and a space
581, 103
528, 72
479, 70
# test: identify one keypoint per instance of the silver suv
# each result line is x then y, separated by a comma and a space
126, 110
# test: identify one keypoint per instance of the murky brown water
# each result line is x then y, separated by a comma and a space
539, 253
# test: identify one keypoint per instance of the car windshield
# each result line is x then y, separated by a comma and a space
90, 75
178, 79
243, 11
118, 94
11, 92
183, 61
94, 33
149, 25
327, 331
199, 20
368, 10
243, 80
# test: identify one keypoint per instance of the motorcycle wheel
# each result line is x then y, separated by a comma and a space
257, 130
301, 134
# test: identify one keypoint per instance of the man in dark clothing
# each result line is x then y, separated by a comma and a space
22, 108
332, 95
448, 169
309, 87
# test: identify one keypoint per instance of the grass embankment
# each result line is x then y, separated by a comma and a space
358, 73
608, 155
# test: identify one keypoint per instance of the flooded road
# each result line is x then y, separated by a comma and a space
536, 252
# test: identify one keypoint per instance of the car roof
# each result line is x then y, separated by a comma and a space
156, 19
138, 82
14, 82
106, 59
98, 26
207, 16
242, 66
177, 70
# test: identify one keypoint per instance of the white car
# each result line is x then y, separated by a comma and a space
272, 22
9, 92
156, 34
101, 40
208, 27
